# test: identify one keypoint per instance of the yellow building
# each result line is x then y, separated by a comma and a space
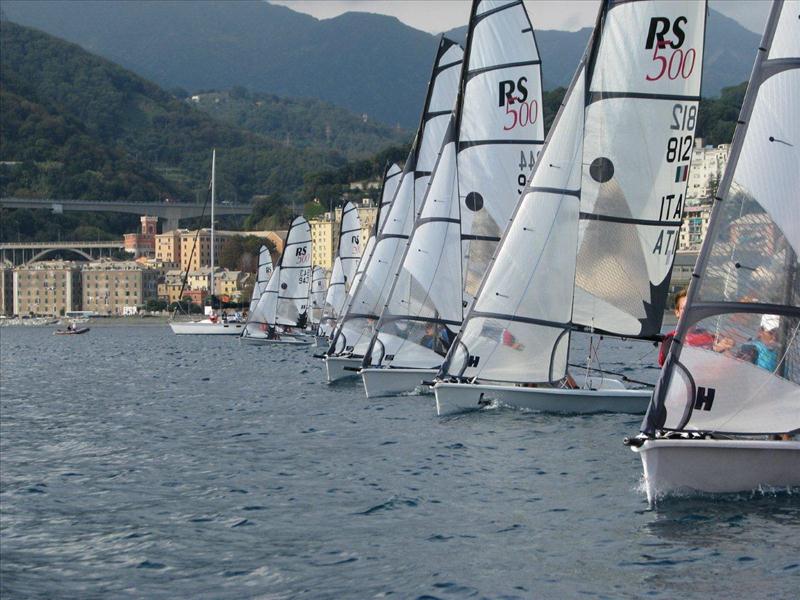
110, 286
324, 239
168, 247
169, 287
47, 288
367, 214
201, 257
231, 284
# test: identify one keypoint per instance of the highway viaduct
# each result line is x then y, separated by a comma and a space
170, 212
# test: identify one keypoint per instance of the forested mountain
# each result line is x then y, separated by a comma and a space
367, 63
300, 122
83, 127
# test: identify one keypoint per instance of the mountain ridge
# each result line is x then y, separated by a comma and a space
368, 63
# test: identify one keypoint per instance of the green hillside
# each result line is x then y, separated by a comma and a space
86, 128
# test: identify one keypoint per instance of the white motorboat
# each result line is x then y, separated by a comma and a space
725, 416
480, 172
590, 247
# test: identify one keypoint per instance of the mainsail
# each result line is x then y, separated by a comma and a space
316, 295
349, 247
295, 275
591, 244
363, 309
490, 148
285, 297
746, 288
340, 295
262, 276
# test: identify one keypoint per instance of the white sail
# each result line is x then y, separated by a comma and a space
349, 250
368, 298
262, 317
734, 366
489, 151
391, 180
263, 274
592, 242
316, 295
295, 276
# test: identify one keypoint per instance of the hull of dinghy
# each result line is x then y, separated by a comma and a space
335, 367
680, 466
379, 383
285, 340
452, 398
206, 328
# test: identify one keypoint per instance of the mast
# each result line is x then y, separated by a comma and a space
213, 192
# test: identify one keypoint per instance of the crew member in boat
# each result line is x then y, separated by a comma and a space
694, 337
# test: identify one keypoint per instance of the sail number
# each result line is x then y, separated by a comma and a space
525, 163
680, 64
526, 114
684, 117
679, 148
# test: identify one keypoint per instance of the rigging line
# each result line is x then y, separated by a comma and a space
191, 254
620, 375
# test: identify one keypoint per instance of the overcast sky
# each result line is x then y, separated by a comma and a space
435, 16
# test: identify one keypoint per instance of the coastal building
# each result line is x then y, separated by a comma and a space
47, 288
195, 248
230, 285
144, 242
324, 238
6, 290
113, 287
168, 247
707, 166
367, 214
169, 285
694, 227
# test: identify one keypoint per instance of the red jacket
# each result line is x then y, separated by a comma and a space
695, 337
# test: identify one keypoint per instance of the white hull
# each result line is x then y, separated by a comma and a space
395, 382
284, 339
335, 367
206, 328
454, 398
718, 466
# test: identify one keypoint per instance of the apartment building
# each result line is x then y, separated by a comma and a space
47, 288
117, 287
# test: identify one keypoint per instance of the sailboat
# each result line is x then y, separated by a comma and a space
282, 310
356, 327
725, 417
212, 325
316, 296
263, 274
490, 148
345, 266
591, 244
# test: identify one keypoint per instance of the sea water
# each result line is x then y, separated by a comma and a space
138, 464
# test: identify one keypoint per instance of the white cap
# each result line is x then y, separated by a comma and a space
770, 322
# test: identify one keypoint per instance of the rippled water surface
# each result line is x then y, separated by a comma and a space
135, 463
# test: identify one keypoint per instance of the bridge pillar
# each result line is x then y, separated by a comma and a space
171, 219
